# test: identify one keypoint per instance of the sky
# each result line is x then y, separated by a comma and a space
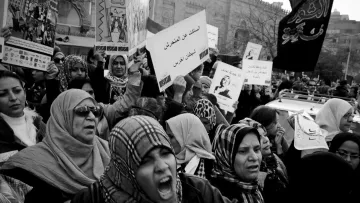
345, 7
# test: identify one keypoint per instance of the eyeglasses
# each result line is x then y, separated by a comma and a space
349, 116
57, 60
116, 63
85, 110
345, 154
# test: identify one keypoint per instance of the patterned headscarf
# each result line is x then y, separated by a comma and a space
130, 140
225, 146
64, 73
117, 85
205, 109
250, 122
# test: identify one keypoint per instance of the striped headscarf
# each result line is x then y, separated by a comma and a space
130, 140
205, 109
225, 147
65, 74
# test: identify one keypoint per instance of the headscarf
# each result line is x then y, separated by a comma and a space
192, 137
205, 80
330, 114
326, 177
225, 147
340, 138
64, 73
250, 122
130, 140
117, 84
59, 54
205, 109
61, 160
148, 107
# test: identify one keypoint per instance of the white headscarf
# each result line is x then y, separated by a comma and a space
329, 116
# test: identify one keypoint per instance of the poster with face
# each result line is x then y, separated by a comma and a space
32, 24
138, 12
252, 51
111, 26
226, 85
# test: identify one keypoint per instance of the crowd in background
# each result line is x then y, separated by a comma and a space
74, 133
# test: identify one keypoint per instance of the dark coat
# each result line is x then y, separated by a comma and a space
341, 91
8, 140
195, 190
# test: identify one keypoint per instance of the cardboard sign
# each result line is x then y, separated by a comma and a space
226, 85
213, 36
1, 47
179, 49
257, 72
121, 25
33, 33
252, 51
308, 134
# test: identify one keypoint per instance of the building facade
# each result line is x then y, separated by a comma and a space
239, 21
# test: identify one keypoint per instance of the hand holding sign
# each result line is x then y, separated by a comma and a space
5, 33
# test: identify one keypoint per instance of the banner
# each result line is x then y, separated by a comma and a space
226, 85
257, 72
213, 36
252, 51
301, 35
32, 25
121, 25
179, 49
308, 134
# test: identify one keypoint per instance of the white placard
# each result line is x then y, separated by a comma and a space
1, 47
179, 49
257, 72
226, 85
252, 51
308, 134
213, 36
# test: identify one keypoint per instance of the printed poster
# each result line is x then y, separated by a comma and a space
308, 134
121, 25
257, 72
179, 49
32, 24
213, 36
252, 51
226, 85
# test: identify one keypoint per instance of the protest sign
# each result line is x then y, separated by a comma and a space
1, 47
179, 49
257, 72
308, 134
33, 33
121, 25
226, 85
252, 51
213, 35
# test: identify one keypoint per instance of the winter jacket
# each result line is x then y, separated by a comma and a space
195, 190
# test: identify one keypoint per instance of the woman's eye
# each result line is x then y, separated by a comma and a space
165, 152
17, 91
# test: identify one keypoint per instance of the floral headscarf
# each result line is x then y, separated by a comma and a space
64, 73
117, 85
130, 140
225, 146
205, 109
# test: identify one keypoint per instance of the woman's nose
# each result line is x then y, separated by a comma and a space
160, 165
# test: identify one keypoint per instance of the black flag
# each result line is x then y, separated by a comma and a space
301, 35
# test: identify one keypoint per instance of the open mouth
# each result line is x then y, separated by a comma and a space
165, 187
90, 127
253, 168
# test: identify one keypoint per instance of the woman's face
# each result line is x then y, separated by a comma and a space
78, 71
205, 88
257, 88
206, 123
248, 158
349, 151
84, 127
272, 128
346, 120
12, 97
265, 146
38, 75
157, 175
88, 88
119, 67
247, 87
175, 144
225, 81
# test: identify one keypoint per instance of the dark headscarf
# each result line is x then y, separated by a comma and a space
322, 177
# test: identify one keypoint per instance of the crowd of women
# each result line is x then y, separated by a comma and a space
74, 134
